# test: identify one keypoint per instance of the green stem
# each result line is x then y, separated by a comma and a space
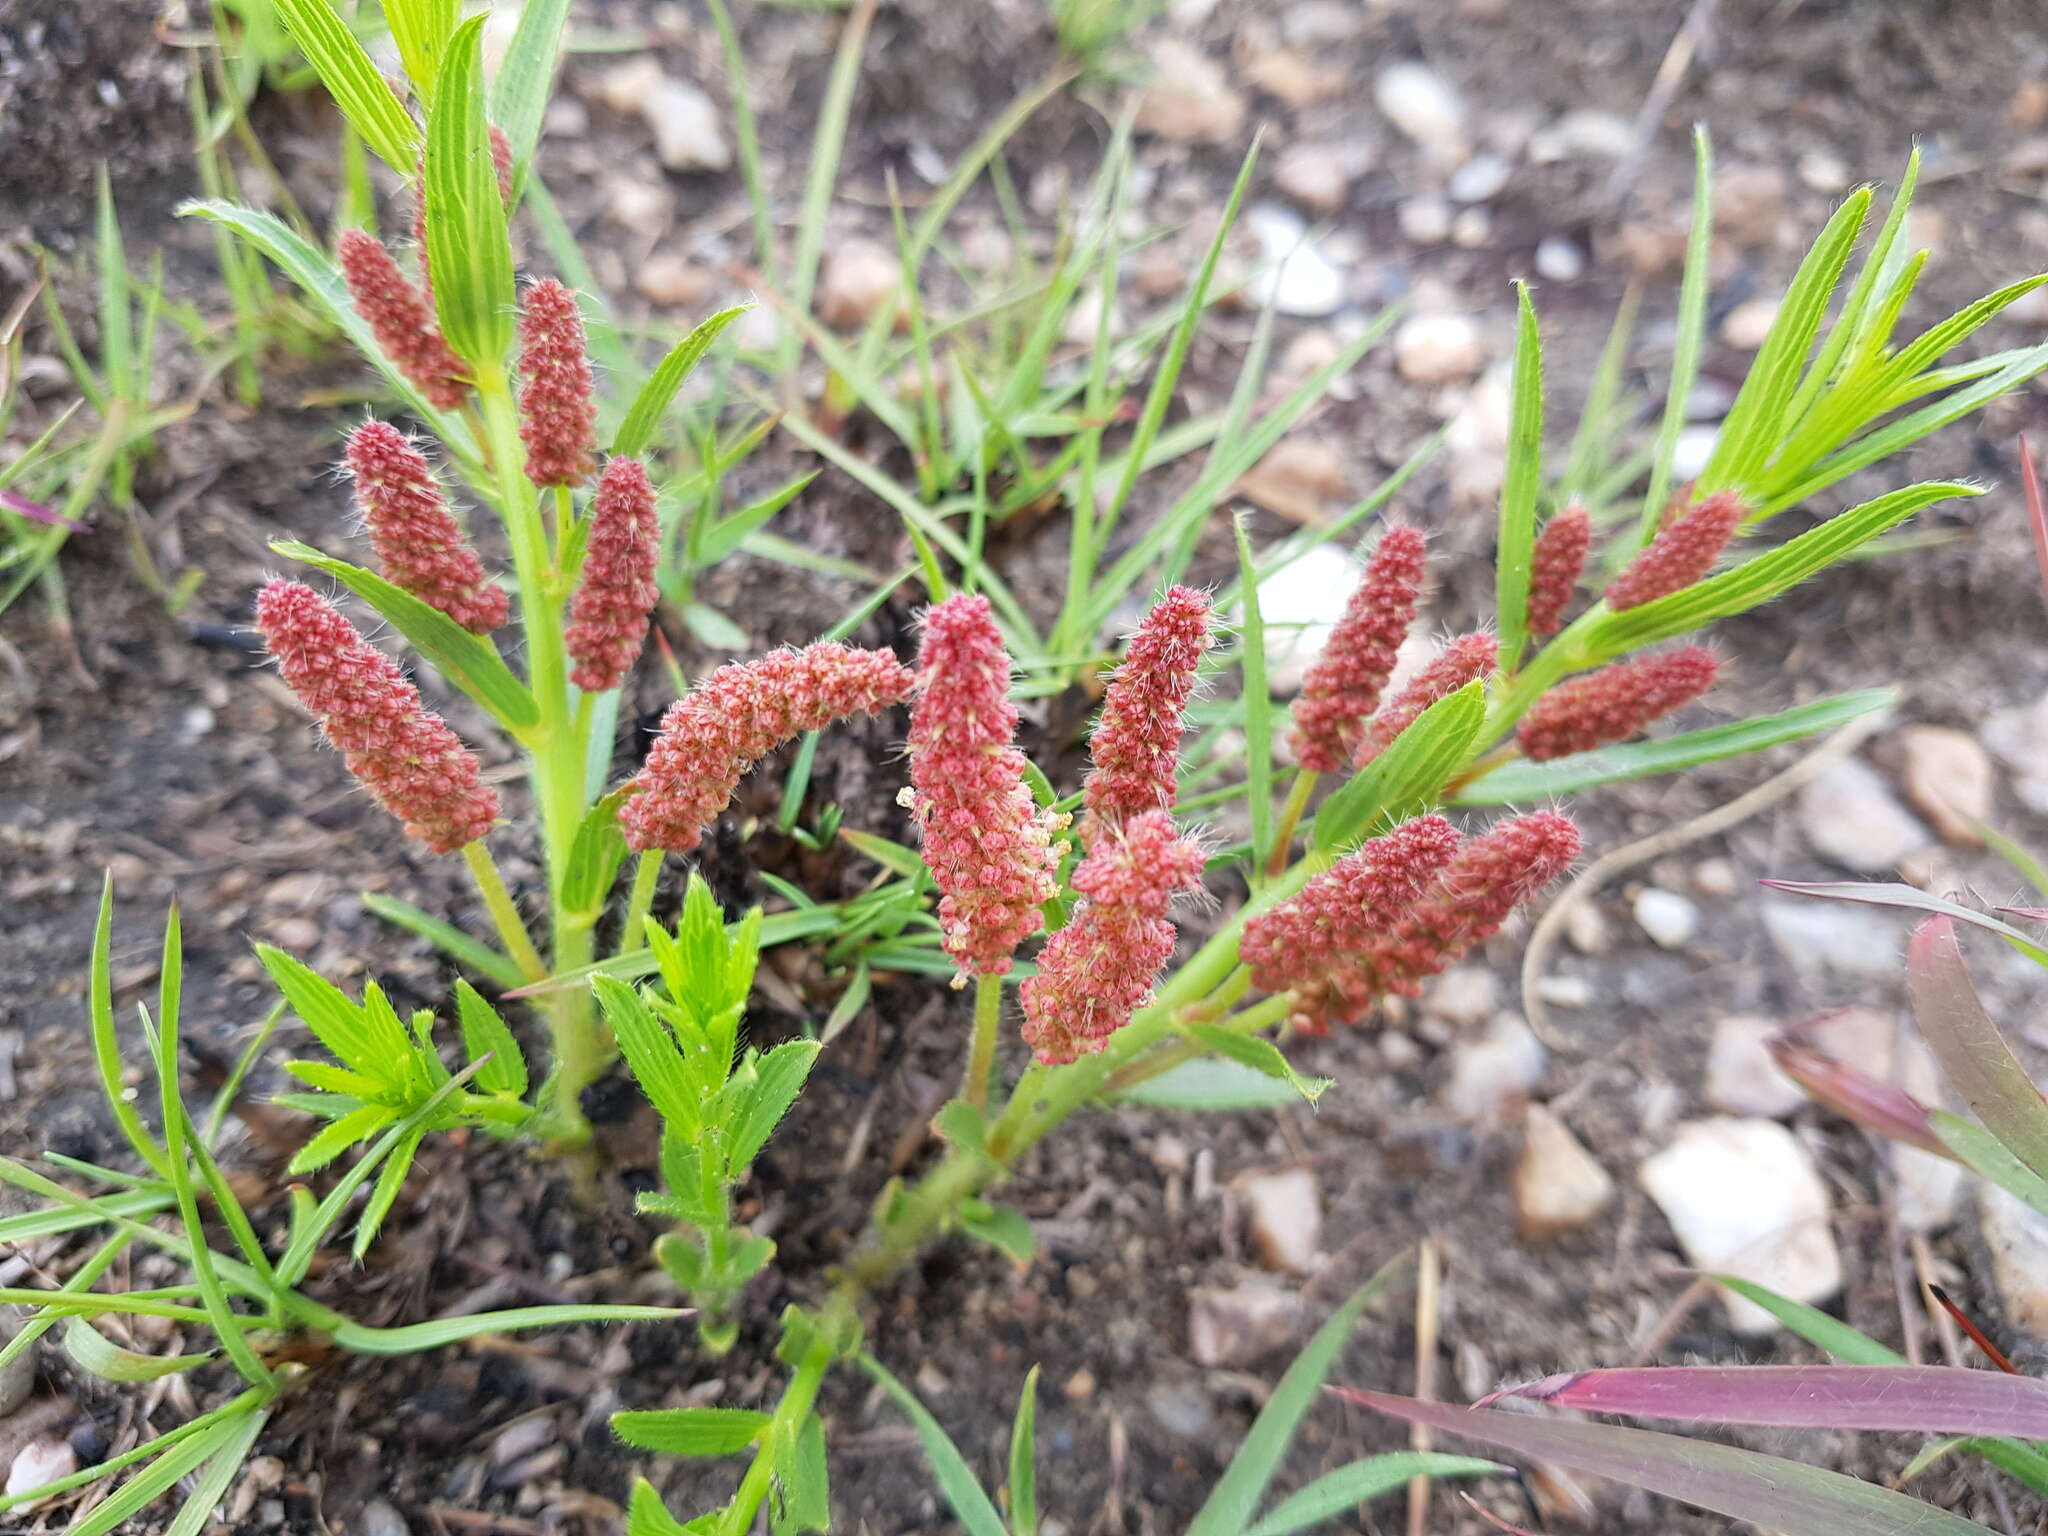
981, 1055
780, 1432
1290, 818
504, 915
1260, 1015
646, 876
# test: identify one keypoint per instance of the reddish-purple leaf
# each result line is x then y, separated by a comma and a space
40, 513
1909, 899
1768, 1491
2037, 511
2031, 914
1855, 1095
1980, 1065
1929, 1399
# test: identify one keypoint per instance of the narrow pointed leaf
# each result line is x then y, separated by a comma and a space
1788, 1497
1517, 539
1877, 1106
1980, 1065
94, 1352
1336, 1492
1407, 777
691, 1431
971, 1504
1910, 899
466, 239
519, 94
643, 417
353, 80
1815, 1326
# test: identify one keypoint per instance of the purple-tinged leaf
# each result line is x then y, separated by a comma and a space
1855, 1095
2037, 511
1910, 899
40, 513
1980, 1065
1768, 1491
1927, 1399
2031, 914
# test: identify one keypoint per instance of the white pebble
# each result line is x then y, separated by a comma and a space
1424, 106
1850, 816
1746, 325
1831, 936
1298, 279
1479, 178
1742, 1079
2017, 1236
1667, 917
1559, 260
39, 1462
1284, 1218
1465, 995
1438, 349
688, 135
1492, 1075
1425, 220
1559, 1185
1947, 775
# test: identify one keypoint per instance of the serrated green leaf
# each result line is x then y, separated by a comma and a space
691, 1431
467, 246
1024, 1459
326, 1075
595, 854
1524, 479
1408, 776
651, 1054
335, 1018
389, 1179
1765, 576
1522, 781
519, 94
803, 1500
643, 417
421, 29
353, 80
93, 1352
338, 1136
962, 1125
485, 1033
1261, 1055
468, 661
1000, 1226
1212, 1085
646, 1515
779, 1076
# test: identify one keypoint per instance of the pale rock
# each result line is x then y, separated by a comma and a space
1585, 928
1947, 776
674, 281
1424, 106
380, 1518
860, 277
688, 135
1236, 1325
1438, 349
1565, 991
1314, 175
1695, 446
1284, 1218
1716, 877
1744, 1198
1294, 77
1465, 995
1316, 347
1559, 1185
1189, 98
1746, 325
1084, 319
2017, 1236
1670, 919
1472, 229
1183, 1408
626, 86
1742, 1079
1160, 272
1480, 178
1317, 23
1583, 132
1927, 1191
1851, 817
1748, 201
565, 118
2018, 737
41, 1461
640, 207
1823, 172
501, 24
1398, 1050
1831, 936
1559, 260
1425, 220
1302, 602
1492, 1075
1477, 438
1298, 479
1296, 277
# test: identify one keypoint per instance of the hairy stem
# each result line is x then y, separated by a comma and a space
646, 877
1290, 818
504, 914
981, 1053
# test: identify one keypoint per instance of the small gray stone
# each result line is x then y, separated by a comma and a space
1667, 917
1479, 178
1438, 349
1832, 937
1742, 1079
380, 1519
1182, 1408
1424, 106
1850, 816
1298, 279
688, 135
1495, 1074
1559, 260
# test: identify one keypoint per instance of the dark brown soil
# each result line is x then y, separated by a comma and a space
157, 748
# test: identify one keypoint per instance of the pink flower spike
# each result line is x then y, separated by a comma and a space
419, 545
401, 319
1555, 568
1342, 689
616, 594
991, 850
1683, 552
1100, 969
1136, 745
716, 732
1614, 703
408, 758
1315, 944
558, 419
1464, 660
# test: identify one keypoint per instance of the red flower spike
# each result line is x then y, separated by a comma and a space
1555, 568
406, 757
1340, 692
1614, 703
1464, 659
1136, 745
716, 732
419, 544
1683, 551
991, 850
1100, 969
616, 594
401, 319
1312, 944
1487, 879
558, 419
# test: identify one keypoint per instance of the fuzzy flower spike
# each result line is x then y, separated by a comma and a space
1465, 659
1136, 745
1100, 969
715, 733
616, 593
401, 319
418, 542
1615, 702
1340, 692
991, 850
409, 759
558, 418
1555, 567
1683, 552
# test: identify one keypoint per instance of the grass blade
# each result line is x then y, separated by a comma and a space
1335, 1492
1685, 353
353, 80
519, 96
970, 1502
1980, 1065
1517, 542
